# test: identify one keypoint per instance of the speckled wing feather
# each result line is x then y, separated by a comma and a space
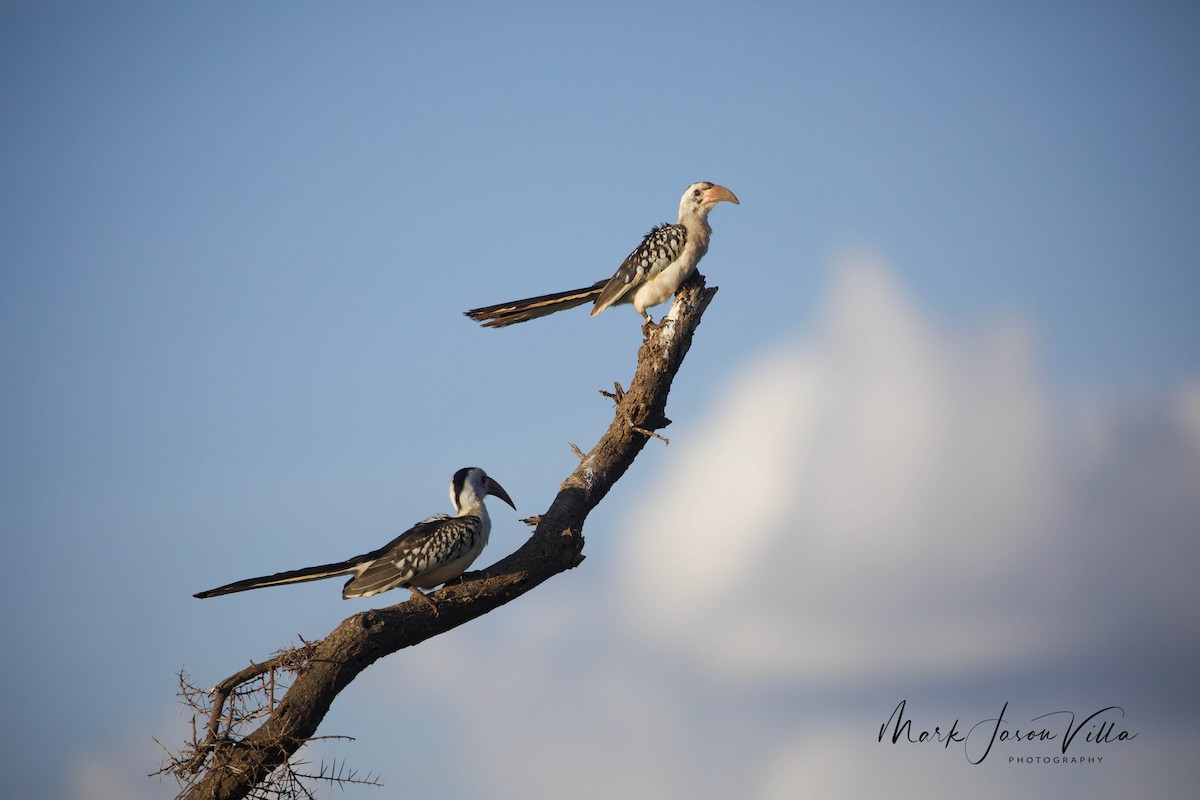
430, 543
662, 245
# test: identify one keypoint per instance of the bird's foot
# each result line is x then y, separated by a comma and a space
424, 598
650, 326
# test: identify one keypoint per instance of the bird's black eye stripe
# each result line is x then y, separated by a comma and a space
460, 480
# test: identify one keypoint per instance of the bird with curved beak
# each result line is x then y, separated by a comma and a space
432, 552
648, 276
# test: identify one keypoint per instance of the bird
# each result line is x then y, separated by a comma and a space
649, 275
432, 552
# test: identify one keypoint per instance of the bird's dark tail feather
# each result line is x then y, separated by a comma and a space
281, 578
498, 316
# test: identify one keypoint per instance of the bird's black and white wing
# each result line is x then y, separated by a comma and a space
653, 272
661, 247
433, 551
427, 554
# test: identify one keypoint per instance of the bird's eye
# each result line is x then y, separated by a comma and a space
696, 193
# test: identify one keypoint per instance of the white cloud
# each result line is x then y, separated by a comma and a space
852, 500
841, 762
881, 498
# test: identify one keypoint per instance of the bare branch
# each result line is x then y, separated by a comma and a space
652, 434
235, 766
616, 394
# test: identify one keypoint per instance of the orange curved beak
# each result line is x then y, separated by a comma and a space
718, 193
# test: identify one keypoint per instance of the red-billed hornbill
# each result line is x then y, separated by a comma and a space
651, 273
433, 551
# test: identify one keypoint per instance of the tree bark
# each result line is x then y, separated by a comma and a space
555, 546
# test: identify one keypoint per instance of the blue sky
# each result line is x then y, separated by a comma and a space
962, 281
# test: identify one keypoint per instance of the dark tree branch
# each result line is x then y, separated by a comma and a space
235, 767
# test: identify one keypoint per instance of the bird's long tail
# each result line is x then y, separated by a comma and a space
498, 316
281, 578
